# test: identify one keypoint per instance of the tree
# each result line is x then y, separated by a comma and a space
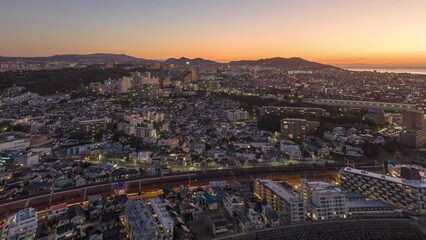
270, 123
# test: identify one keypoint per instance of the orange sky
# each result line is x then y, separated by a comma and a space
337, 32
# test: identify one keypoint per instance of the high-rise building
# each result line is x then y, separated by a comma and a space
191, 76
413, 119
280, 199
124, 84
414, 138
213, 86
414, 132
110, 86
145, 132
323, 201
20, 225
294, 128
407, 194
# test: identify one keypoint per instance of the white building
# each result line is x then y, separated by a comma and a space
280, 199
323, 200
263, 146
124, 84
21, 225
292, 150
145, 132
138, 221
14, 141
237, 115
145, 157
148, 220
28, 159
109, 86
233, 204
407, 194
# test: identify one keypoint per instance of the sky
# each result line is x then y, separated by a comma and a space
334, 32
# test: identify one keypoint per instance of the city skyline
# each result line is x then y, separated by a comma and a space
356, 32
219, 119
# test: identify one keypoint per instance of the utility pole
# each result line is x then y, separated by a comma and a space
84, 195
50, 197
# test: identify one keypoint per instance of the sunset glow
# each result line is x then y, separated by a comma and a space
336, 32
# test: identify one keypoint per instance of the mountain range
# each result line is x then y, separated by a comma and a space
278, 62
196, 61
82, 58
284, 63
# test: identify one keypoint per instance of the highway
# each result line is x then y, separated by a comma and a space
290, 174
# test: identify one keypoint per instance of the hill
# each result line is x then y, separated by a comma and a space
284, 63
81, 58
187, 61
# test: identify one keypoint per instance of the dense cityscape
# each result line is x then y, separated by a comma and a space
183, 149
228, 120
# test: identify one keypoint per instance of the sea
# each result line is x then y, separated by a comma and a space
392, 70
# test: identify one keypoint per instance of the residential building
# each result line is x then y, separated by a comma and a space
280, 199
145, 157
90, 126
56, 210
124, 84
372, 209
233, 203
14, 141
237, 115
20, 225
148, 220
323, 201
413, 138
145, 132
292, 150
294, 128
407, 194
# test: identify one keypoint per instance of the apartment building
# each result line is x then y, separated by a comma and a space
407, 194
294, 128
90, 126
280, 199
323, 200
21, 225
237, 115
148, 219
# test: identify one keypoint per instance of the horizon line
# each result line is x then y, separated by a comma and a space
228, 60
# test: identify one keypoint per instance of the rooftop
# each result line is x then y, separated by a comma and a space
12, 136
26, 214
411, 183
354, 195
366, 204
280, 191
58, 206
